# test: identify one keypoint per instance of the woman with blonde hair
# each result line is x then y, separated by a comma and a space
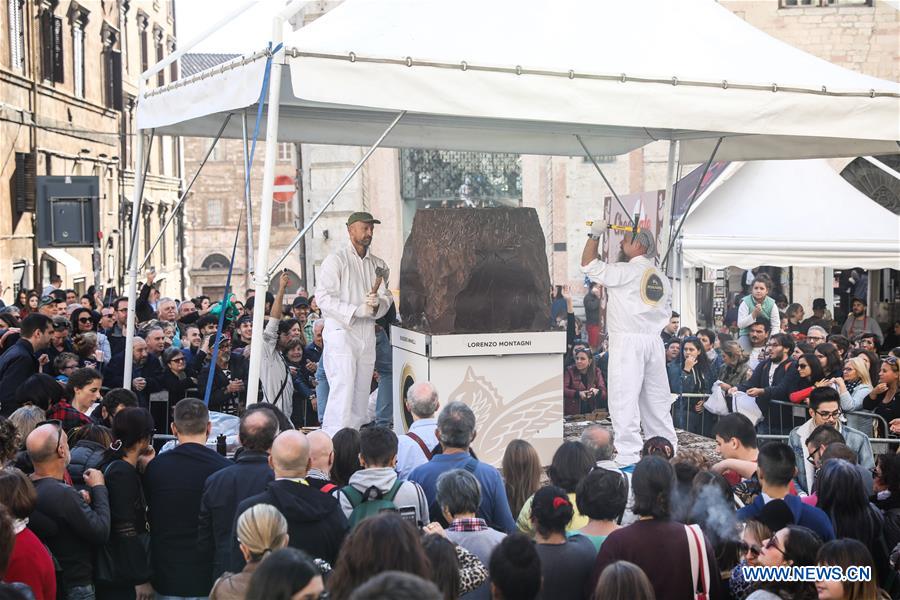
261, 530
521, 473
853, 386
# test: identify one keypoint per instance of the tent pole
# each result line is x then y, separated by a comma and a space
140, 170
248, 206
334, 195
691, 203
605, 180
671, 167
184, 194
260, 278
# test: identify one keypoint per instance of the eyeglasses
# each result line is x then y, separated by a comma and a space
177, 360
59, 427
771, 544
815, 338
746, 548
107, 314
829, 415
85, 320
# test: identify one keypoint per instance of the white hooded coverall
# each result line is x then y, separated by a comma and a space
344, 281
638, 307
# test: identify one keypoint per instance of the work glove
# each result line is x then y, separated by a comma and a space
598, 228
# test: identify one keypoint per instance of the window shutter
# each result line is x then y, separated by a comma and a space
24, 182
115, 63
57, 58
47, 45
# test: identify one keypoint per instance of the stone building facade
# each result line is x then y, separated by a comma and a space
68, 80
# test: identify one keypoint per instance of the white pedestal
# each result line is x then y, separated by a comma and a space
512, 381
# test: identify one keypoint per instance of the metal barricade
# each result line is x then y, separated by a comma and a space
685, 417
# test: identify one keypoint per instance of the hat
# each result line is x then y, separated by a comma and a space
363, 217
47, 301
860, 300
819, 304
300, 301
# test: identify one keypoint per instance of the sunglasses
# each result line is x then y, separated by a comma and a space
85, 320
891, 360
750, 549
771, 544
177, 360
59, 427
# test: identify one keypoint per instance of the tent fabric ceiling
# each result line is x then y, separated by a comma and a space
560, 67
790, 213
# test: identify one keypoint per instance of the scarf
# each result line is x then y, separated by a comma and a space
851, 385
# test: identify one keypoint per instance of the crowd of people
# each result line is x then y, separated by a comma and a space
91, 506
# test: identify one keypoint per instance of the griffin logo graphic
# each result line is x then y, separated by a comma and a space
499, 422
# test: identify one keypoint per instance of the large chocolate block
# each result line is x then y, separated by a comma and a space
475, 270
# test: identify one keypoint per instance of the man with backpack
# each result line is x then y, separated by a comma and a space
376, 487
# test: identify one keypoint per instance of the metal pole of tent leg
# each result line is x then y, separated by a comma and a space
136, 202
671, 169
184, 194
248, 205
334, 195
260, 278
691, 203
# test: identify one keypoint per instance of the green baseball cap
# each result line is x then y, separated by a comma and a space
363, 217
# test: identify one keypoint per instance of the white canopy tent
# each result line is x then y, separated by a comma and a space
527, 77
789, 213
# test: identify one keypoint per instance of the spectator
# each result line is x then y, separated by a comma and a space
378, 480
892, 339
191, 340
274, 377
756, 306
591, 304
112, 402
459, 495
64, 364
228, 391
571, 462
316, 523
736, 443
794, 314
70, 527
847, 553
455, 432
842, 343
175, 378
156, 343
708, 339
583, 389
30, 562
225, 489
386, 542
817, 319
115, 370
286, 574
303, 396
774, 379
811, 376
321, 461
445, 567
83, 389
126, 556
734, 370
644, 541
346, 456
776, 468
416, 445
85, 320
59, 342
684, 332
623, 580
515, 569
19, 362
828, 357
261, 530
600, 440
173, 483
243, 331
87, 445
669, 331
696, 377
886, 485
867, 341
853, 388
522, 471
794, 546
25, 419
882, 400
843, 498
859, 322
758, 333
825, 409
396, 585
601, 497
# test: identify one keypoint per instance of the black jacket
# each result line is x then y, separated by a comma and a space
16, 365
128, 520
70, 527
173, 486
218, 396
224, 490
316, 523
113, 374
785, 380
85, 455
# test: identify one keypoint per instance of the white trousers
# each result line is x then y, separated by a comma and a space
349, 358
638, 393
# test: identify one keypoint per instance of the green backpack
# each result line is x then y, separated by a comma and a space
371, 503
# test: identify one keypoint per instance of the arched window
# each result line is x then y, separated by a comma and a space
293, 283
215, 261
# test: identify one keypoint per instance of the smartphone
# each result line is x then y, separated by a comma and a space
408, 513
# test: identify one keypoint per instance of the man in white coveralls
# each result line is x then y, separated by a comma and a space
350, 303
638, 308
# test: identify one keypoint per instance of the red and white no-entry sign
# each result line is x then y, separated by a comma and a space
284, 188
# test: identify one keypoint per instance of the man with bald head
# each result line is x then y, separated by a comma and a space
224, 490
321, 459
415, 447
316, 523
70, 523
173, 486
140, 385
